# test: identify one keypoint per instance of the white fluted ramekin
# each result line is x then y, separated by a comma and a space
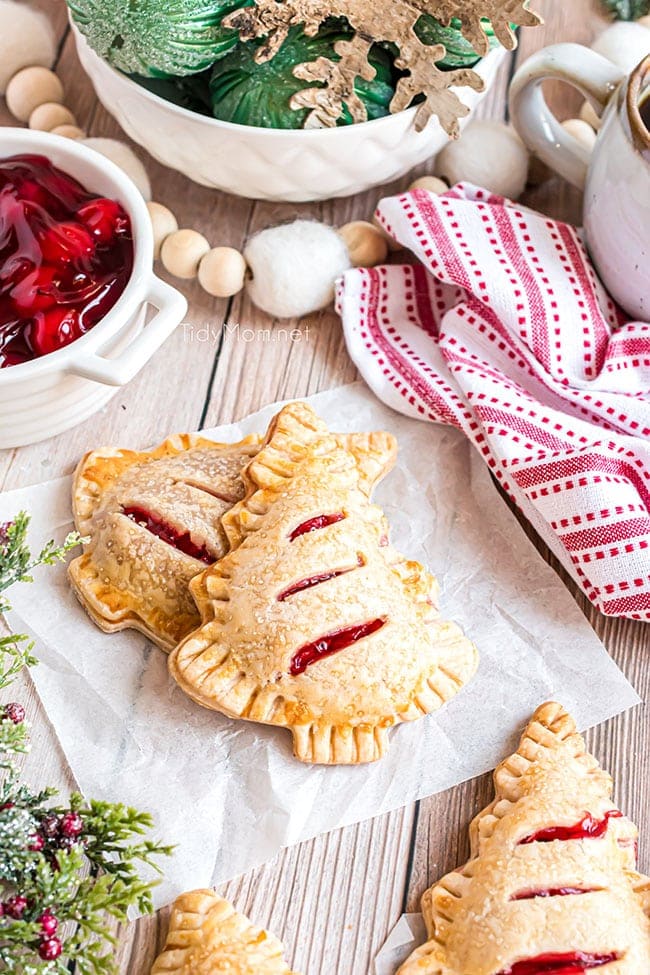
48, 395
273, 164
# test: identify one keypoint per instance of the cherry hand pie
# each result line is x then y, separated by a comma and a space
154, 521
551, 887
208, 937
312, 621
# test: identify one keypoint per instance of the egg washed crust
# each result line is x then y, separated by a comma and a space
373, 22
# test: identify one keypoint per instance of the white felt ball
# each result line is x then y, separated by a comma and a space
294, 267
182, 251
48, 116
488, 154
26, 38
163, 223
222, 272
431, 183
581, 132
366, 245
31, 87
626, 44
124, 157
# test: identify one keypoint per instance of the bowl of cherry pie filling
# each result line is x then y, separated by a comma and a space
81, 311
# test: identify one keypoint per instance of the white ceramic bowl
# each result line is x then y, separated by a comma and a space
41, 398
272, 164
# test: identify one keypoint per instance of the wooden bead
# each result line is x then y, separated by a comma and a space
431, 183
366, 245
392, 244
181, 252
644, 21
589, 115
69, 131
50, 115
222, 272
581, 132
163, 223
30, 88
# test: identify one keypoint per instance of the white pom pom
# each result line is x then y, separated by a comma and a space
489, 154
26, 38
124, 157
626, 44
294, 267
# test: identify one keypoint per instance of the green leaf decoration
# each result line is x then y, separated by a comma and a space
250, 93
627, 9
154, 39
459, 51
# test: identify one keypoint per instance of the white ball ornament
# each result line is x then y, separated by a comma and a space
581, 132
50, 116
624, 43
366, 245
181, 252
124, 157
163, 223
30, 88
26, 39
488, 154
294, 267
222, 272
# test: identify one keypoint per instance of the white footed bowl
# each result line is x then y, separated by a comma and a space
48, 395
272, 164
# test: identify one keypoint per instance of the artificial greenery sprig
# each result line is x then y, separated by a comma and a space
66, 871
628, 9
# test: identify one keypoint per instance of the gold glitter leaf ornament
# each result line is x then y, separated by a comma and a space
388, 22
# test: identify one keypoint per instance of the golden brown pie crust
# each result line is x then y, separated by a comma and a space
208, 937
505, 905
241, 660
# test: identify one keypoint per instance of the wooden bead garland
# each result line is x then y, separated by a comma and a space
49, 116
69, 132
163, 223
366, 245
222, 272
181, 252
30, 88
581, 131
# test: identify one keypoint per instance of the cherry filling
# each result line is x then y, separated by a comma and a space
587, 828
315, 581
531, 894
167, 533
310, 653
65, 258
571, 963
314, 524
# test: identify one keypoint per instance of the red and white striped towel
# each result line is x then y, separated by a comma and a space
505, 331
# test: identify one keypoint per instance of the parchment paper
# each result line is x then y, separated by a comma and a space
229, 793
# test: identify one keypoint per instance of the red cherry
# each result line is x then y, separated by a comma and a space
104, 218
65, 242
36, 291
14, 712
36, 843
52, 329
50, 949
49, 923
16, 906
71, 825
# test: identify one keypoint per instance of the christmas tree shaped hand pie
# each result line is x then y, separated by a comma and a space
551, 886
312, 621
208, 937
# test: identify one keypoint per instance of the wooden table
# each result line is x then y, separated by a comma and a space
332, 899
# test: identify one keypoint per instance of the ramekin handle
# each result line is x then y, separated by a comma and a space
171, 307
